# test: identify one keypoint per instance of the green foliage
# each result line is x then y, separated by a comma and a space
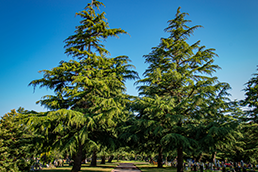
90, 99
250, 101
179, 95
93, 30
182, 107
248, 142
17, 143
250, 146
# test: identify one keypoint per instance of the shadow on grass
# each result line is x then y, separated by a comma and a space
156, 169
84, 168
99, 166
56, 170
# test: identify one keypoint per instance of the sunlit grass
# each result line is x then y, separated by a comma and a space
85, 168
153, 168
144, 166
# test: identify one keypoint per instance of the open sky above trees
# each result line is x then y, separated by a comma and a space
32, 35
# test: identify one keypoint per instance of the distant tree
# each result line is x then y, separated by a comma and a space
249, 146
218, 137
249, 130
90, 97
251, 97
139, 135
17, 143
178, 91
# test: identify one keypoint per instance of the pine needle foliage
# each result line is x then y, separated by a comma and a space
89, 100
93, 30
179, 92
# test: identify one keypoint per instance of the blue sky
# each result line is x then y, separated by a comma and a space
33, 31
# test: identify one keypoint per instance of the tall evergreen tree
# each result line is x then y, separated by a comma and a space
179, 90
90, 97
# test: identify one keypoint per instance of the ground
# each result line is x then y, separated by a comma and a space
145, 167
109, 166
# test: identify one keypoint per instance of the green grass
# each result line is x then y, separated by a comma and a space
153, 168
108, 167
85, 168
145, 167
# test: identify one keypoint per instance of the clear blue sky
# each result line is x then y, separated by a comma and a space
33, 31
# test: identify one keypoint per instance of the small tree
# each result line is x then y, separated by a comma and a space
249, 146
17, 146
250, 103
251, 97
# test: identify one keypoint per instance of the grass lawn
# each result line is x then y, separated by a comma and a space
145, 167
85, 168
153, 168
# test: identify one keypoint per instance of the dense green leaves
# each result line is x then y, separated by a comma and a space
17, 143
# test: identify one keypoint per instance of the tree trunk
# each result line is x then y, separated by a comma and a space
200, 157
117, 158
180, 159
238, 157
94, 159
201, 168
166, 160
213, 157
160, 158
110, 158
103, 159
86, 159
77, 160
151, 160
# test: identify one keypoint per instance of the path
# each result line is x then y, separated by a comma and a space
126, 167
